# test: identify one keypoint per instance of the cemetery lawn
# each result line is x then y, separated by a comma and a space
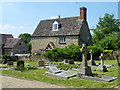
39, 75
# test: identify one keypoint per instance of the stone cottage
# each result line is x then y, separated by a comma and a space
61, 32
10, 45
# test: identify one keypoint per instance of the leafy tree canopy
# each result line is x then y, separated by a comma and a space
105, 26
26, 37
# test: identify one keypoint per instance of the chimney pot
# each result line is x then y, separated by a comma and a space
83, 13
59, 16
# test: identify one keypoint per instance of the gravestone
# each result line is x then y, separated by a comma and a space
55, 73
118, 61
102, 67
54, 70
84, 68
40, 63
68, 61
20, 63
91, 62
9, 63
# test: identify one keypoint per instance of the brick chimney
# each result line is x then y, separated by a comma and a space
83, 13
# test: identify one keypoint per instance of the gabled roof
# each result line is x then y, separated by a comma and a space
11, 42
67, 26
3, 37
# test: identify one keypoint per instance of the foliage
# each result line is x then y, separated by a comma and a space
26, 37
28, 67
107, 33
107, 51
70, 52
96, 50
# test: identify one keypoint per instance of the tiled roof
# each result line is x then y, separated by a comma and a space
11, 42
67, 26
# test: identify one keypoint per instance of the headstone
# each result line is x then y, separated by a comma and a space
20, 63
91, 62
102, 67
84, 68
40, 63
54, 70
68, 61
9, 63
118, 61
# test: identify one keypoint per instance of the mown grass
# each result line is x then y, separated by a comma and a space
72, 82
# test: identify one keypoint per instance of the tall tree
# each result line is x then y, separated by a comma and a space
105, 26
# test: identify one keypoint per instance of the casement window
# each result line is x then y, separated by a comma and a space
62, 40
55, 26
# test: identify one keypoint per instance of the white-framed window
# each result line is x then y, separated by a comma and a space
55, 26
62, 40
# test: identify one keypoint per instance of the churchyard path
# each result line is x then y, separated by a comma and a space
14, 82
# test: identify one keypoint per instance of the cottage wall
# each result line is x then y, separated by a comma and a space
41, 42
20, 48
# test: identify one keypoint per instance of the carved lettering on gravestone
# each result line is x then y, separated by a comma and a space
84, 54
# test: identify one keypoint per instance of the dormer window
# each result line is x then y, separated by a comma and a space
55, 26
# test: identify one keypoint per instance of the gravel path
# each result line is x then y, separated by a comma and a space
12, 82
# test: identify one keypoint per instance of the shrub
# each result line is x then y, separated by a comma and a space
70, 52
96, 51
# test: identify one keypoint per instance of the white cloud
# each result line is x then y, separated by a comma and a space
53, 17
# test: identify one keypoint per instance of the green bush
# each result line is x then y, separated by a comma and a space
70, 52
96, 50
107, 51
28, 67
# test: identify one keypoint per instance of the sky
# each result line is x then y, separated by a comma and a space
23, 17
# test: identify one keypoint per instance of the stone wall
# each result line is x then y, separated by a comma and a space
41, 42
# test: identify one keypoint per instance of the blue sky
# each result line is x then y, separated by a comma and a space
23, 17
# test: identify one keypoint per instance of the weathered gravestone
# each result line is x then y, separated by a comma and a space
91, 62
40, 63
68, 61
84, 68
118, 61
20, 63
61, 74
54, 70
9, 63
102, 67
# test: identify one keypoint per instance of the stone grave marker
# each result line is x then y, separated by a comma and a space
54, 70
9, 63
40, 63
102, 67
68, 61
118, 61
20, 63
91, 62
55, 73
84, 68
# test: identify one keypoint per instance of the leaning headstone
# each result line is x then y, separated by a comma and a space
84, 68
91, 62
40, 63
20, 63
102, 67
9, 63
